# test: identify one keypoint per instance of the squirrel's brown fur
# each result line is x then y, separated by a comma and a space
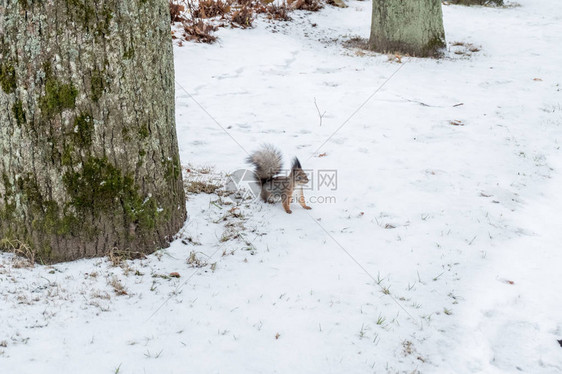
267, 162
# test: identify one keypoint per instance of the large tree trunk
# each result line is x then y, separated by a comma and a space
89, 158
413, 27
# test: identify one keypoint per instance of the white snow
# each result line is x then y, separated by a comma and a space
441, 253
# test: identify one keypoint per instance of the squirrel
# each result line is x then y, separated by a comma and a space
268, 162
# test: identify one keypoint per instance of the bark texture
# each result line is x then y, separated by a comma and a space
413, 27
89, 158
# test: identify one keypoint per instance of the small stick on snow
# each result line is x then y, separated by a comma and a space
319, 115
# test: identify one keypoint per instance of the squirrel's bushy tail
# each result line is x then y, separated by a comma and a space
268, 162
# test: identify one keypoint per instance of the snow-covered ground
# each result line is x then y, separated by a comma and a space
438, 252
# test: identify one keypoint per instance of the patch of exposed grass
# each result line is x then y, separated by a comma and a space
310, 5
117, 256
195, 261
197, 187
212, 8
199, 31
203, 180
243, 17
117, 286
25, 255
199, 20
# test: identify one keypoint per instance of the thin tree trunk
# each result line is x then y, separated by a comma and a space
89, 158
413, 27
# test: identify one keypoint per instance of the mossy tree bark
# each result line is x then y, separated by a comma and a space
89, 158
413, 27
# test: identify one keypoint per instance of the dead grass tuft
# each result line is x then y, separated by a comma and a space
205, 170
197, 187
118, 256
243, 17
176, 12
229, 234
118, 287
97, 294
212, 8
356, 42
195, 261
200, 19
199, 31
25, 255
407, 348
203, 180
310, 5
278, 12
250, 3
